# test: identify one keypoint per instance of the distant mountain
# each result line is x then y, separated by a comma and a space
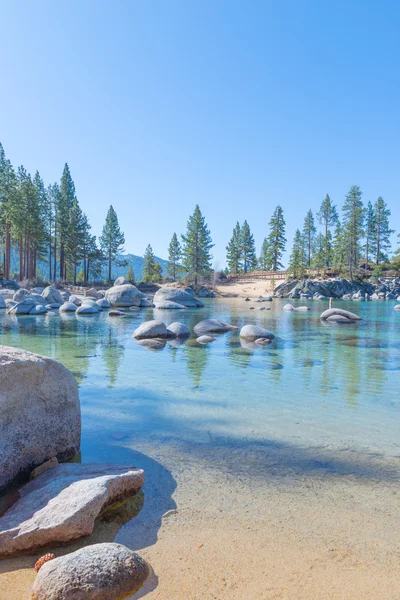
136, 262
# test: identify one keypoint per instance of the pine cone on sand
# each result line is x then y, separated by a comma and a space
43, 559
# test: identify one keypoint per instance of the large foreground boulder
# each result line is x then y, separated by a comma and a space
62, 504
339, 312
176, 295
255, 332
150, 329
124, 295
52, 295
212, 326
40, 413
99, 572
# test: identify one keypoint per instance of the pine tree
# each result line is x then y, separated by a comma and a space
75, 239
130, 276
53, 201
383, 231
196, 247
234, 251
65, 202
264, 262
370, 233
8, 184
112, 240
319, 252
328, 217
248, 249
276, 239
338, 250
174, 257
309, 231
152, 270
298, 259
353, 220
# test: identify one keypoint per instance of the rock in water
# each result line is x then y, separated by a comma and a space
150, 329
68, 307
176, 295
212, 326
288, 307
105, 571
86, 309
62, 504
2, 302
254, 332
205, 339
397, 307
40, 414
178, 330
341, 313
52, 295
339, 319
123, 295
301, 308
152, 343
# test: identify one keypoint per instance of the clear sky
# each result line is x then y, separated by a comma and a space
238, 106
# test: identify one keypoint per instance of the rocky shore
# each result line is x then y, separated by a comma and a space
339, 288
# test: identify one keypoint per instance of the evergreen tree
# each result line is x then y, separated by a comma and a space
298, 259
353, 220
234, 251
112, 241
65, 202
276, 239
328, 217
265, 262
130, 276
383, 231
53, 201
75, 240
319, 258
8, 184
248, 249
370, 233
152, 270
309, 231
338, 250
174, 257
196, 247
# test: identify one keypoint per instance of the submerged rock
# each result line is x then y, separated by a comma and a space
40, 413
397, 307
169, 304
341, 313
301, 308
146, 303
62, 504
167, 294
150, 329
340, 320
212, 326
254, 332
152, 343
288, 307
105, 571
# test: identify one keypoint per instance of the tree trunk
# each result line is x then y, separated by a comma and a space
20, 258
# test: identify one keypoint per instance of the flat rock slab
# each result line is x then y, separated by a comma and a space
100, 572
62, 505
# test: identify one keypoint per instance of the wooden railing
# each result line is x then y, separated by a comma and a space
269, 275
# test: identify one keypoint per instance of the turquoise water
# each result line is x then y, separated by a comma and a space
315, 385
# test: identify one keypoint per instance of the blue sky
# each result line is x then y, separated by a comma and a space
238, 106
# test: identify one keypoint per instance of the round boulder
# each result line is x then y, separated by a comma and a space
100, 572
75, 300
68, 307
340, 313
92, 293
121, 281
22, 308
166, 294
90, 302
103, 304
123, 296
38, 309
397, 307
205, 339
20, 294
255, 332
151, 329
178, 330
212, 326
288, 307
52, 295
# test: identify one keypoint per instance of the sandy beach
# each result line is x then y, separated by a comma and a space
296, 532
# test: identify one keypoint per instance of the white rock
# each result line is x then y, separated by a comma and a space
255, 332
52, 295
39, 412
68, 307
124, 295
151, 329
178, 330
62, 504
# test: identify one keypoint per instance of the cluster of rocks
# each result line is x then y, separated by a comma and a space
40, 421
381, 289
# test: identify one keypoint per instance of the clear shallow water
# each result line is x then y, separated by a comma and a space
316, 385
